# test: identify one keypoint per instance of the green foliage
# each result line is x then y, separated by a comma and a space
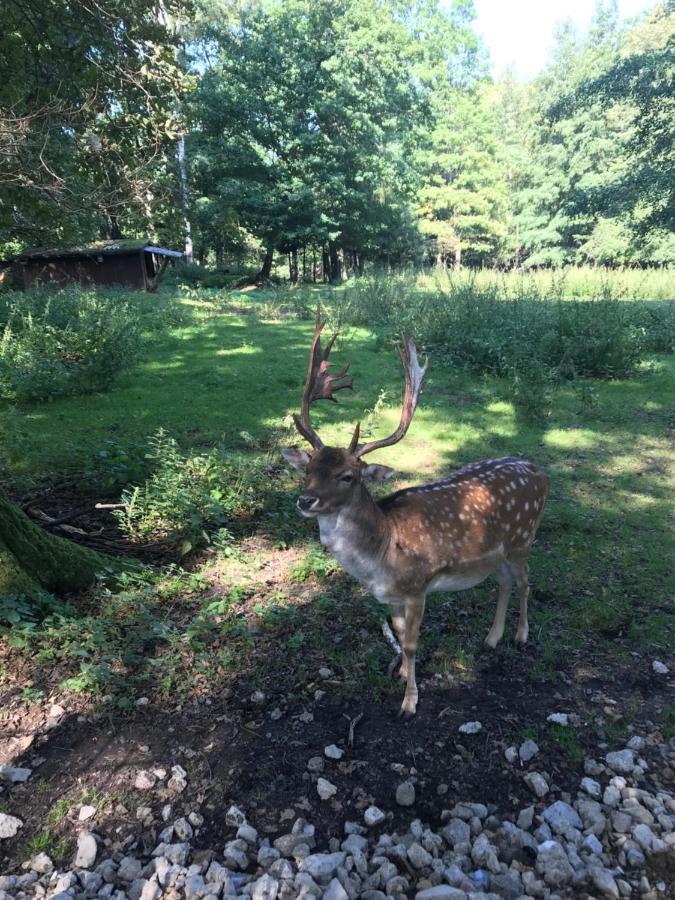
522, 337
192, 274
189, 496
55, 343
89, 118
316, 563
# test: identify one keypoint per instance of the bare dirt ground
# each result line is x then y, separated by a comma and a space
237, 751
247, 739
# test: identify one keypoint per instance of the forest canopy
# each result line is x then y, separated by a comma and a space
342, 133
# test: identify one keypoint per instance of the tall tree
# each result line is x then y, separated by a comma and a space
306, 124
87, 117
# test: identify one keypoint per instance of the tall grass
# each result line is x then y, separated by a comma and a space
536, 329
572, 283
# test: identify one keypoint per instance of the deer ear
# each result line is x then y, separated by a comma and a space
297, 458
374, 472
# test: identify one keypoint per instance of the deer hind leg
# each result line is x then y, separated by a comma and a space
412, 621
505, 577
521, 573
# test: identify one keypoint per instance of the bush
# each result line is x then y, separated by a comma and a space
55, 343
476, 328
189, 497
196, 276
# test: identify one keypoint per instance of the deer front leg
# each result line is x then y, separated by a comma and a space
398, 621
413, 613
505, 578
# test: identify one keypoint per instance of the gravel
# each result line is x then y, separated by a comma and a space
609, 840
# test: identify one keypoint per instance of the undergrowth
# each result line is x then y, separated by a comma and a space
189, 496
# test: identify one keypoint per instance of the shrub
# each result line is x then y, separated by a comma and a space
54, 343
475, 327
188, 497
199, 276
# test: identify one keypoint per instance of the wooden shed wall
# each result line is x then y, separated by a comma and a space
125, 269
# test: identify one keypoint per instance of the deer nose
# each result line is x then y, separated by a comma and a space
306, 502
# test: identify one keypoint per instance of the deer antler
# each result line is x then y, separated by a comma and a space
414, 374
319, 384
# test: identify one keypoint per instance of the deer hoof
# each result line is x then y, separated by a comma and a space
408, 708
491, 641
522, 635
395, 665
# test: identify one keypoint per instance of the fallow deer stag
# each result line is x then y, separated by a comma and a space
446, 535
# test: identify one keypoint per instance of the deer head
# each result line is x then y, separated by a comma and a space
333, 476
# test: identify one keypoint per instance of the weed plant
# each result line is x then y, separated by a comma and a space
56, 343
189, 496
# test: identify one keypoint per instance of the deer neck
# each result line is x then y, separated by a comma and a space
357, 536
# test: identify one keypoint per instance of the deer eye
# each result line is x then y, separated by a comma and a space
346, 477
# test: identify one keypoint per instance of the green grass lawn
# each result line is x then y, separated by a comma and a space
231, 374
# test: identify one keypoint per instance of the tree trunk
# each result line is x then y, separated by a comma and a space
293, 266
314, 265
266, 270
458, 257
32, 560
185, 197
335, 262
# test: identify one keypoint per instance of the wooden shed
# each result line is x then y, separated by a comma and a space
136, 264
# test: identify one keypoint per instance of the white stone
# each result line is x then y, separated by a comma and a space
234, 817
528, 750
604, 882
470, 728
41, 864
660, 668
558, 718
152, 891
418, 856
183, 829
553, 865
592, 788
335, 891
562, 818
373, 816
537, 784
86, 812
265, 888
325, 789
9, 825
484, 854
511, 754
621, 761
145, 780
405, 794
592, 845
178, 781
333, 752
247, 833
441, 892
86, 850
322, 866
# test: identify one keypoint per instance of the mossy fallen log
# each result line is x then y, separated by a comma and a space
33, 560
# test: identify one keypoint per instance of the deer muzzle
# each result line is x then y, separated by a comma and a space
307, 503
